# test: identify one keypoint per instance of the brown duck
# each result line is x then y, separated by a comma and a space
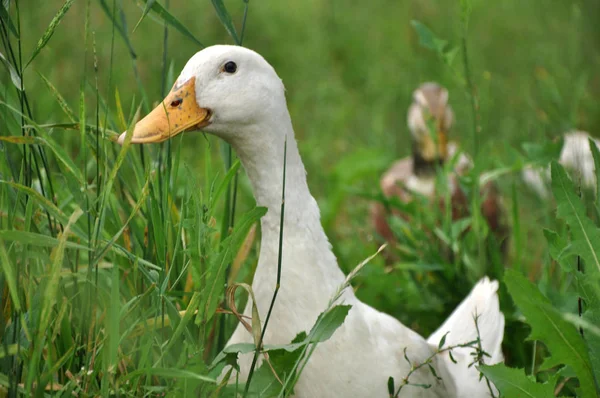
430, 117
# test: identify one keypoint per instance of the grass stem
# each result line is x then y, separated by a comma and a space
278, 282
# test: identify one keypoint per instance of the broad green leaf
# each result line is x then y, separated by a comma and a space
328, 323
225, 181
513, 383
226, 19
50, 30
163, 14
14, 75
428, 39
229, 248
586, 236
562, 339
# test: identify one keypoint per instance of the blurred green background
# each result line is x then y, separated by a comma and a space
349, 68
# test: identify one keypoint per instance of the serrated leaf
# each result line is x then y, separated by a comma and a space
586, 236
225, 19
50, 30
562, 339
157, 9
589, 290
560, 249
14, 75
514, 383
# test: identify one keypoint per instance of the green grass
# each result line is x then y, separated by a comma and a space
113, 258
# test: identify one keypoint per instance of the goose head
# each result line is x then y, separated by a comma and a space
430, 117
228, 91
235, 94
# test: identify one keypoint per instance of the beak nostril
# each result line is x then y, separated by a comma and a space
176, 103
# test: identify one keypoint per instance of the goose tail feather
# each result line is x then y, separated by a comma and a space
481, 304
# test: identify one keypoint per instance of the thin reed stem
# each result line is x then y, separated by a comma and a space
278, 282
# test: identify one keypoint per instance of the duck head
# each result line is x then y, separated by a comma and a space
223, 90
430, 117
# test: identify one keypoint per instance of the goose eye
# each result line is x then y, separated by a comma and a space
176, 103
230, 67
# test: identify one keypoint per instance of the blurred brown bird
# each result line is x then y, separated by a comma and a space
430, 117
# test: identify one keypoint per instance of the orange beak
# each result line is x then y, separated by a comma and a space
177, 113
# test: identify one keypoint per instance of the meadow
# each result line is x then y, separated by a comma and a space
114, 258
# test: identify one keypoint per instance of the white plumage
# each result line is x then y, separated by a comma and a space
575, 156
248, 109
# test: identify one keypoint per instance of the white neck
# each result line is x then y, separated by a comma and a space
307, 256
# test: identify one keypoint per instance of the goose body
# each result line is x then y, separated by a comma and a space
245, 105
575, 156
430, 117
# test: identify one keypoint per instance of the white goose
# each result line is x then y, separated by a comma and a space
233, 93
575, 155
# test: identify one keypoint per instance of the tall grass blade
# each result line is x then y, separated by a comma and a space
15, 78
59, 98
35, 239
147, 8
49, 297
121, 28
226, 20
50, 30
168, 373
163, 14
4, 17
47, 205
10, 276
